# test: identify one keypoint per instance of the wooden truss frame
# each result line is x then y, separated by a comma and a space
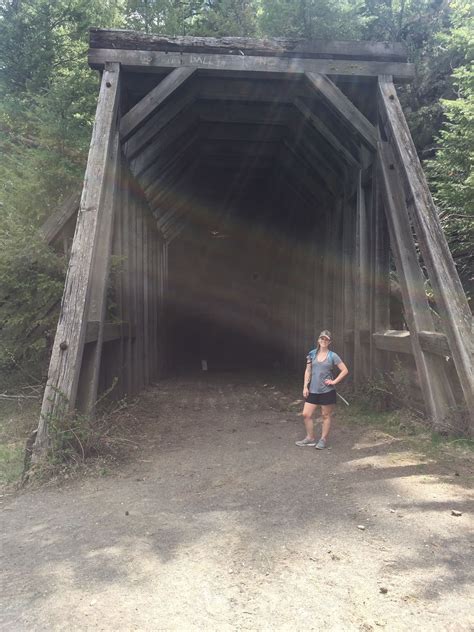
169, 131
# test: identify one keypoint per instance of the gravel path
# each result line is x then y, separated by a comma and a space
220, 523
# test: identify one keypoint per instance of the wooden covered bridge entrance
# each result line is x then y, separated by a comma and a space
239, 196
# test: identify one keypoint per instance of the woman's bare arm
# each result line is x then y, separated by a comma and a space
307, 379
343, 372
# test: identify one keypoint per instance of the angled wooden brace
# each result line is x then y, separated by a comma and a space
66, 357
344, 108
145, 108
434, 382
449, 293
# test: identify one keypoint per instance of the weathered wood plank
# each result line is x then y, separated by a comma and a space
401, 342
344, 108
326, 133
434, 342
63, 376
393, 341
145, 108
279, 46
52, 227
434, 383
449, 293
142, 61
91, 360
111, 331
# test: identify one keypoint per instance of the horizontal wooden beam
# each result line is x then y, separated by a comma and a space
271, 46
434, 342
112, 331
248, 90
254, 114
241, 132
394, 341
152, 61
401, 342
343, 108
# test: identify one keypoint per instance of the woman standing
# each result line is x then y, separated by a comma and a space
318, 388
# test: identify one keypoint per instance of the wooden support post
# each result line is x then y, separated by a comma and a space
338, 275
92, 354
348, 241
362, 306
146, 301
127, 283
449, 293
140, 295
65, 364
380, 282
434, 383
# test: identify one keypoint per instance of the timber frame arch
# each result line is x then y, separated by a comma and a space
323, 118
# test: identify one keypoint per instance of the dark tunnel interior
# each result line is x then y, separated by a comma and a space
250, 184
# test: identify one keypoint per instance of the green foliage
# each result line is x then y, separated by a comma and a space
48, 98
452, 177
318, 19
31, 282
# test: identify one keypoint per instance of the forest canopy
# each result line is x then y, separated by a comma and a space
48, 95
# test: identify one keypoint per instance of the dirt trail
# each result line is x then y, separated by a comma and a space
221, 523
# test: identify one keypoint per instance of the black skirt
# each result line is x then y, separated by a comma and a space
323, 399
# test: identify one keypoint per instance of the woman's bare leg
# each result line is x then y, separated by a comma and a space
308, 411
326, 412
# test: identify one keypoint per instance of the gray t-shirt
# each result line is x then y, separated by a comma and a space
321, 371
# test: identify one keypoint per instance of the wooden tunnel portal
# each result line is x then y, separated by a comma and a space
239, 196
